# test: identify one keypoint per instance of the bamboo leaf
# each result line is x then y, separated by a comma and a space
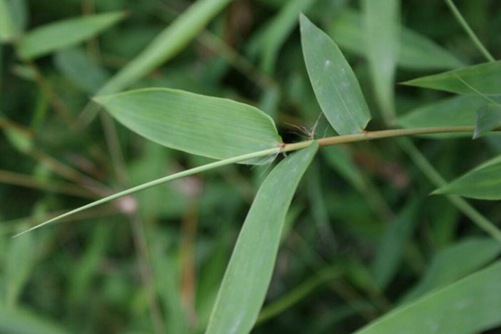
471, 80
382, 29
208, 126
249, 271
167, 44
416, 51
446, 269
483, 182
65, 33
487, 119
469, 306
336, 87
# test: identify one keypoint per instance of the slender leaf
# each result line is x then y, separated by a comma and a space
6, 24
336, 87
416, 51
471, 80
483, 182
382, 29
208, 126
274, 34
455, 111
468, 306
251, 265
25, 322
65, 33
167, 44
446, 269
487, 119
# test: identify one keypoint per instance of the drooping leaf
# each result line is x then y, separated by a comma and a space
446, 269
483, 182
487, 119
65, 33
249, 271
167, 44
336, 87
208, 126
471, 80
382, 31
416, 51
468, 306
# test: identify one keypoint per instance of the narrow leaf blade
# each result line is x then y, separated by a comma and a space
6, 25
382, 29
483, 182
65, 33
471, 80
207, 126
416, 51
249, 272
468, 306
487, 119
167, 44
336, 87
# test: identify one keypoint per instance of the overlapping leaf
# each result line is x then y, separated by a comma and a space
249, 272
65, 33
336, 87
416, 51
208, 126
483, 182
487, 119
468, 306
471, 80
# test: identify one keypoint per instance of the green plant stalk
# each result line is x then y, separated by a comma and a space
469, 31
283, 148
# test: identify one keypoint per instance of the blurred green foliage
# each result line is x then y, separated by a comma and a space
362, 235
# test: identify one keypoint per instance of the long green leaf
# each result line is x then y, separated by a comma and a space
483, 182
468, 306
26, 322
446, 269
208, 126
249, 272
65, 33
167, 44
455, 111
382, 30
471, 80
487, 119
336, 87
416, 51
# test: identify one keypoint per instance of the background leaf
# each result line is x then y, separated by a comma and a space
65, 33
487, 119
249, 272
446, 269
471, 80
208, 126
468, 306
336, 87
416, 51
483, 182
6, 25
382, 31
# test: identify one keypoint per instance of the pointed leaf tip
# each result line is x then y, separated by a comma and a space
208, 126
334, 83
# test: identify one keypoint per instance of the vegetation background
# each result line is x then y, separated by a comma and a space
363, 234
